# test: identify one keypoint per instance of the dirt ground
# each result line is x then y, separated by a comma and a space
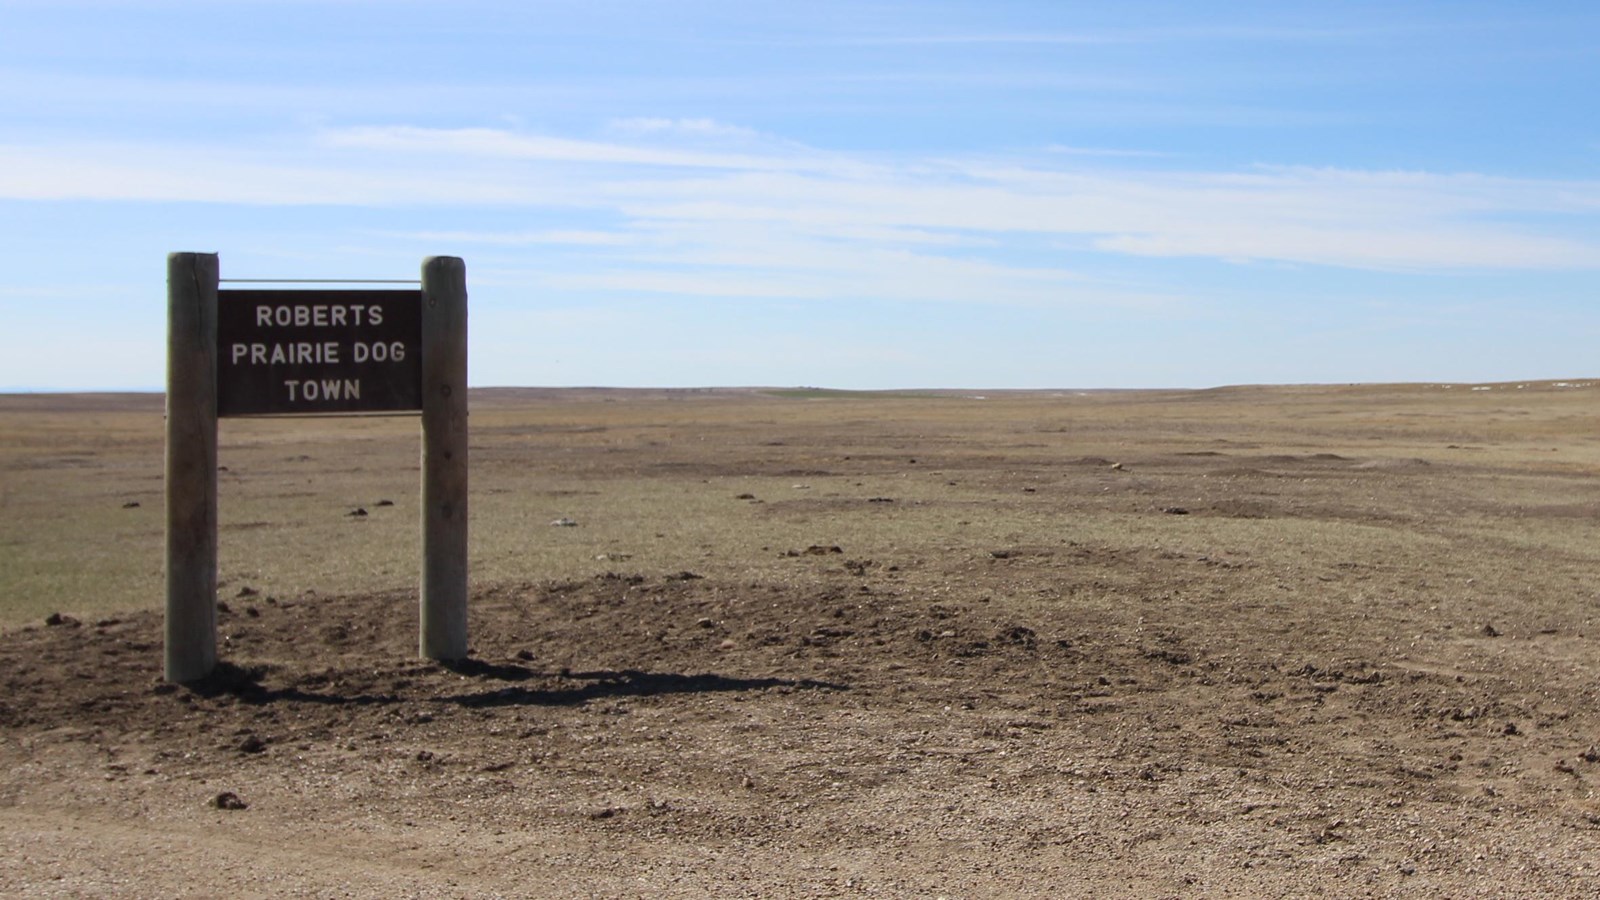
1249, 642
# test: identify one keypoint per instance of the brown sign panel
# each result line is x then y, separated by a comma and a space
310, 352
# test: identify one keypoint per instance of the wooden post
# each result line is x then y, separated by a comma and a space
191, 466
443, 627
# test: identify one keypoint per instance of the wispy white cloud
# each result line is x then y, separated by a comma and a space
1015, 37
1356, 219
1109, 152
211, 174
75, 97
503, 144
698, 128
1229, 33
1366, 249
788, 207
526, 238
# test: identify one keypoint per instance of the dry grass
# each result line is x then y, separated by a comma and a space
652, 478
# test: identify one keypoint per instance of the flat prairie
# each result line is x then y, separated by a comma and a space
1251, 641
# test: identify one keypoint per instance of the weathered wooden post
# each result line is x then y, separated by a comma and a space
191, 466
443, 632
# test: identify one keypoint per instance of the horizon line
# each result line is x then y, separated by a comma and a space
1568, 382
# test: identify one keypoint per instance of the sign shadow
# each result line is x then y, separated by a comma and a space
245, 684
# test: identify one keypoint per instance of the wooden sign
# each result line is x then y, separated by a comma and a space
294, 352
297, 352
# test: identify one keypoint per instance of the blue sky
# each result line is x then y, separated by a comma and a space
846, 194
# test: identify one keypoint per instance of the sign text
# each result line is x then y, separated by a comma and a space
299, 352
